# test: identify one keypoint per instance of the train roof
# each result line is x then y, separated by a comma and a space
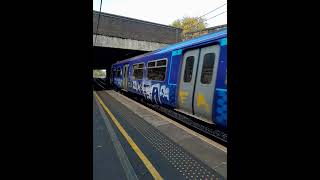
183, 44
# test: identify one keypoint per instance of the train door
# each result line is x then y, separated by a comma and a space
187, 80
197, 82
125, 76
205, 82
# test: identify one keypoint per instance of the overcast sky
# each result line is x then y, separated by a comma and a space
164, 11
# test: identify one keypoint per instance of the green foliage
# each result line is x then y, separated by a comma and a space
189, 24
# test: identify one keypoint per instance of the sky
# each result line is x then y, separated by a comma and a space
165, 11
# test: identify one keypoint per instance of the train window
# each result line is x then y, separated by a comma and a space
157, 71
207, 68
152, 64
118, 72
138, 71
188, 69
162, 63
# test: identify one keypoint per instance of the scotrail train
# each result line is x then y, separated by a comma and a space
189, 77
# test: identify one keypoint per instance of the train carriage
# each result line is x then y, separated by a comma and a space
189, 77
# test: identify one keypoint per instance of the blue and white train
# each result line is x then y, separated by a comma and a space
189, 77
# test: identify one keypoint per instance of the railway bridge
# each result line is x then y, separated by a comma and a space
117, 37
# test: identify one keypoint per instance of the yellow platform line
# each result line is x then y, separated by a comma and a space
136, 149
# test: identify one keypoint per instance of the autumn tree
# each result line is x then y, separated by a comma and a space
189, 24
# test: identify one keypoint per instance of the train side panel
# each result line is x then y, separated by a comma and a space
220, 99
166, 92
118, 76
158, 92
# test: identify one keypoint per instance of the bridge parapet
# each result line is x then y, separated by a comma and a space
128, 28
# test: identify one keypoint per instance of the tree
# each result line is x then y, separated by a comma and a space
189, 24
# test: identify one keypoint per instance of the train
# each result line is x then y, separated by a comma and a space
189, 77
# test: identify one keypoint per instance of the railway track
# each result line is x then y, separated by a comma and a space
99, 83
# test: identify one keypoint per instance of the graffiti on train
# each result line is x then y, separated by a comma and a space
118, 82
154, 92
137, 86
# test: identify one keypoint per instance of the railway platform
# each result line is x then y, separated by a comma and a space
131, 141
